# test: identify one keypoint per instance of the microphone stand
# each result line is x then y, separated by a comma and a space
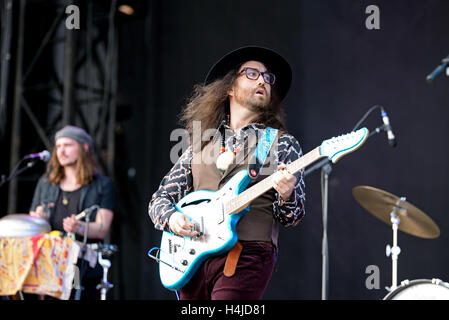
325, 172
16, 172
443, 66
326, 168
83, 261
377, 130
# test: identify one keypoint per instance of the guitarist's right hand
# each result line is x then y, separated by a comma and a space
180, 225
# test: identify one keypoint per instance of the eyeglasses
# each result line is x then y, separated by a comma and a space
253, 74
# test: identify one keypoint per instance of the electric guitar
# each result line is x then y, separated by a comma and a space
216, 213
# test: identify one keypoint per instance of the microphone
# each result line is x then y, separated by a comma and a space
44, 156
86, 212
387, 127
443, 66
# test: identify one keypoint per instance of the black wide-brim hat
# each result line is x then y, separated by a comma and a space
274, 62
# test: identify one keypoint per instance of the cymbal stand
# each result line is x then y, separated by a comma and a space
395, 250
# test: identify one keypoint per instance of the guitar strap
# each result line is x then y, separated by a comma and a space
232, 259
262, 149
258, 160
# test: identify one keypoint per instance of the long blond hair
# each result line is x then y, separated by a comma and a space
85, 167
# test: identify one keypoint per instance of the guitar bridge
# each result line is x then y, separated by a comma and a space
198, 227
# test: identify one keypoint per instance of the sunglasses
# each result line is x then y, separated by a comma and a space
253, 74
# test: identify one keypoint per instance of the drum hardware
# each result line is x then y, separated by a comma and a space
104, 250
398, 213
437, 281
395, 250
421, 289
104, 286
22, 225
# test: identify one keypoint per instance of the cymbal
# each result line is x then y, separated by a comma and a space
411, 219
21, 225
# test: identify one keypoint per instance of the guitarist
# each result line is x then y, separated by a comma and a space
241, 96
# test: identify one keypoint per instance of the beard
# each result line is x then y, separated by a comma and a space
67, 162
253, 101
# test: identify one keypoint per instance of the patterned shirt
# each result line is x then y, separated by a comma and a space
179, 182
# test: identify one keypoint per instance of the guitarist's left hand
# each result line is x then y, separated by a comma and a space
284, 182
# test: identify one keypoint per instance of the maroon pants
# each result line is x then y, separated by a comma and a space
253, 272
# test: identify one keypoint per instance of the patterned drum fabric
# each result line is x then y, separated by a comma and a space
43, 264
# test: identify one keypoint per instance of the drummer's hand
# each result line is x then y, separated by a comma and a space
70, 224
180, 224
40, 211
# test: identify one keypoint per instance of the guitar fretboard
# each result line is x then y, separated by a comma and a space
246, 197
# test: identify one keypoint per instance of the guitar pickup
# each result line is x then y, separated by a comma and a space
221, 215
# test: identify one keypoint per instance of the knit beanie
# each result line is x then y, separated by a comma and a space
76, 133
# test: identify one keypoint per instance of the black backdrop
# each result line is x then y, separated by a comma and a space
340, 70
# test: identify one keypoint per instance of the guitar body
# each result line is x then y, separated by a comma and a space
179, 256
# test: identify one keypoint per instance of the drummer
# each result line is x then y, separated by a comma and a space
70, 185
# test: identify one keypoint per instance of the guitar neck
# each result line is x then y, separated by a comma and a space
246, 197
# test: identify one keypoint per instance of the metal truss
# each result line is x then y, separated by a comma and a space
70, 79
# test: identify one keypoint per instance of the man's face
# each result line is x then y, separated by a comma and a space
67, 151
253, 94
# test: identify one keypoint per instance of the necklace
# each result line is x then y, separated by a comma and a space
226, 157
65, 199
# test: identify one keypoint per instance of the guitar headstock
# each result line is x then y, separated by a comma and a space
340, 146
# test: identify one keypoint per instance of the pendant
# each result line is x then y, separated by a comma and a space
224, 160
65, 201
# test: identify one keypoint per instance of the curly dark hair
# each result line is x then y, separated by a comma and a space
209, 104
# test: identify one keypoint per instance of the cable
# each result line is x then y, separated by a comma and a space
365, 116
